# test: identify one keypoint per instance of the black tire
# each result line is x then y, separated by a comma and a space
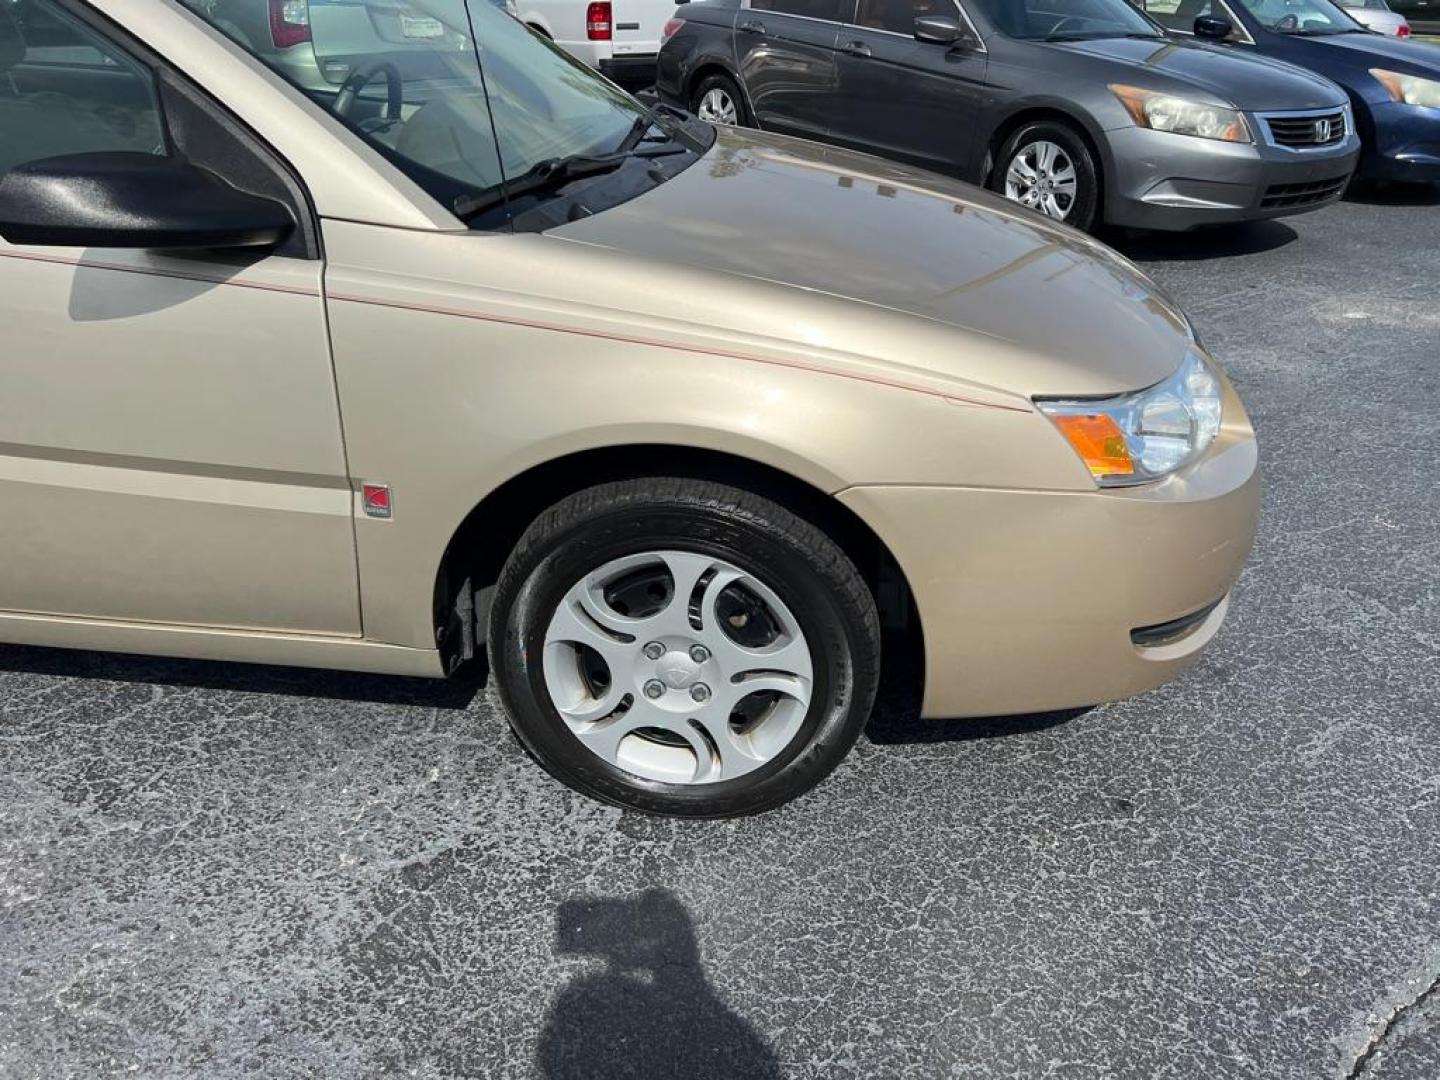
727, 86
1084, 213
798, 562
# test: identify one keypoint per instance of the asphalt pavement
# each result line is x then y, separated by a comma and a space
218, 871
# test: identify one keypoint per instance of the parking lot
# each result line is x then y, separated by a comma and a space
220, 871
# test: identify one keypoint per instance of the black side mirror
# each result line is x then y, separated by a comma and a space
1213, 27
123, 199
939, 30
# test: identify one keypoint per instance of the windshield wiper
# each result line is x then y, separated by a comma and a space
645, 122
548, 175
1102, 36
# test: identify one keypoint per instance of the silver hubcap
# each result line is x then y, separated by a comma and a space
717, 107
1042, 177
678, 667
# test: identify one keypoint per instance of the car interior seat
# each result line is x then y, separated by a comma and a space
37, 123
12, 48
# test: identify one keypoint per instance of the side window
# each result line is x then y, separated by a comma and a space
898, 16
1176, 14
826, 10
65, 90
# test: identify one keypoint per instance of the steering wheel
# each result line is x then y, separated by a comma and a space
1065, 21
1286, 23
363, 77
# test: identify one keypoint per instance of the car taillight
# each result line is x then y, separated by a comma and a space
671, 27
1404, 30
289, 22
597, 21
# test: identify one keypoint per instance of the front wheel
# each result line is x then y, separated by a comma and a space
1048, 167
683, 647
717, 100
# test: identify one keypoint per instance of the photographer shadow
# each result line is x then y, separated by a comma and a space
650, 1012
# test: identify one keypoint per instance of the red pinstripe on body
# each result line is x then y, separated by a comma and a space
507, 320
121, 268
704, 350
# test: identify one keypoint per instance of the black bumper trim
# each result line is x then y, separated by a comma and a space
1148, 637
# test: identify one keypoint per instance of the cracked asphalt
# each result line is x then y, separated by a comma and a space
219, 871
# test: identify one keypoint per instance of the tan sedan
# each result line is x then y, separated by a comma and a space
470, 352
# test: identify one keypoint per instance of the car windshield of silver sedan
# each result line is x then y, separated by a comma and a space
460, 96
1068, 20
1306, 18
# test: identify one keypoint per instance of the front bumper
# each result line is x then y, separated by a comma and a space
1158, 180
1403, 143
1028, 599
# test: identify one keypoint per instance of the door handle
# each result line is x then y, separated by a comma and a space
752, 26
855, 48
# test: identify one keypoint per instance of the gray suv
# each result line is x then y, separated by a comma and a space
1083, 110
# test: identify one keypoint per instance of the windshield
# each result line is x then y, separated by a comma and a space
1308, 17
1067, 20
461, 97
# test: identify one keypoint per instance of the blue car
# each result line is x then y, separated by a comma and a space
1394, 85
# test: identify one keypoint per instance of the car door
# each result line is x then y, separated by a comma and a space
786, 53
902, 98
170, 444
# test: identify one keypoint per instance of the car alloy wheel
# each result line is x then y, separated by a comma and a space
678, 667
683, 647
718, 107
1042, 176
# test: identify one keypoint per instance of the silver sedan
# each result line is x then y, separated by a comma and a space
1376, 15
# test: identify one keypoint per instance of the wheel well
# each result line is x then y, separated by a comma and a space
1014, 123
704, 71
478, 550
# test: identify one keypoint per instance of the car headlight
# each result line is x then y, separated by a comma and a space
1146, 435
1166, 112
1408, 88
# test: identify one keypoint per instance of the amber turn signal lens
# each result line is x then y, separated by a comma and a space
1391, 81
1134, 101
1099, 442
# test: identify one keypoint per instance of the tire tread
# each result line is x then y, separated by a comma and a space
585, 508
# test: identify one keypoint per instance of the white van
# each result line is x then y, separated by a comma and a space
620, 38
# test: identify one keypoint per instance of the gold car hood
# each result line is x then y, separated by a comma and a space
1077, 317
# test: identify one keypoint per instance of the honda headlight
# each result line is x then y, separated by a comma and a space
1182, 116
1146, 435
1410, 89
